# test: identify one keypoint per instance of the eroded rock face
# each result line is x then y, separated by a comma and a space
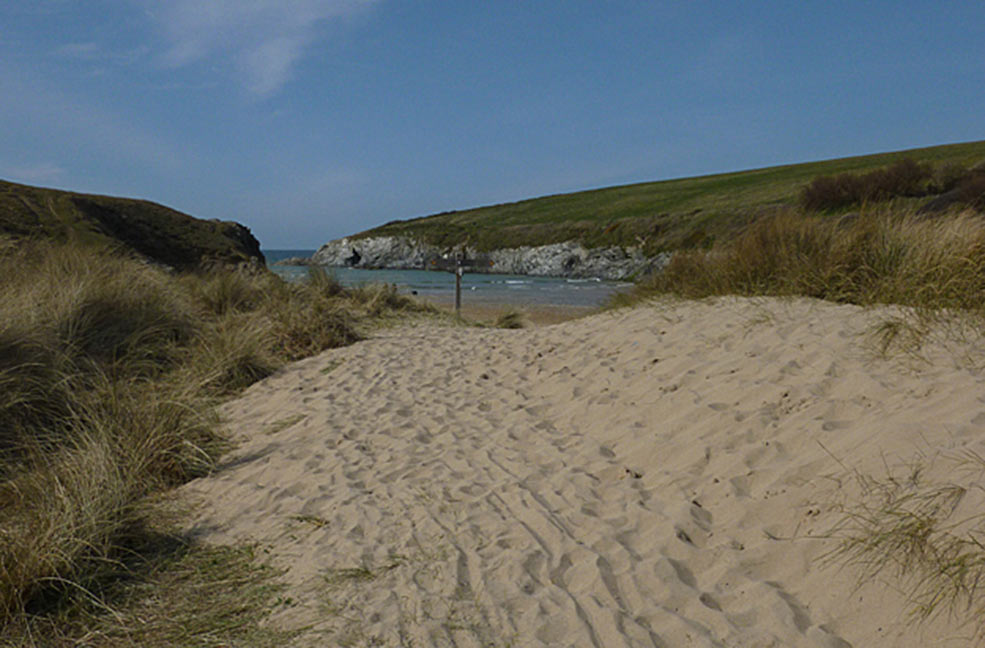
378, 252
568, 259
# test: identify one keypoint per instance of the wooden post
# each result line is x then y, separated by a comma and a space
458, 287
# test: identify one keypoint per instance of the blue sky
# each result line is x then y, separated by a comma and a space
308, 120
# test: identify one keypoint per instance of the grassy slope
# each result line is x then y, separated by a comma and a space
153, 231
663, 215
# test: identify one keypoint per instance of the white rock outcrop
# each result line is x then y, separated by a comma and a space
567, 259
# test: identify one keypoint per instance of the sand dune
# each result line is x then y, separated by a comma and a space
663, 476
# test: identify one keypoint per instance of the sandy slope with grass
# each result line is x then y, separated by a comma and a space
672, 475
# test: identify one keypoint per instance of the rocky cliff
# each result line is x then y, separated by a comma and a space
568, 259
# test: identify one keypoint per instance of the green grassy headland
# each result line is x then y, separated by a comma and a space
148, 229
656, 216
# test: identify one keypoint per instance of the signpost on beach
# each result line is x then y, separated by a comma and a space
457, 263
458, 287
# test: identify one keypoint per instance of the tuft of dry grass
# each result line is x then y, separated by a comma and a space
898, 334
913, 530
169, 592
232, 353
881, 257
511, 319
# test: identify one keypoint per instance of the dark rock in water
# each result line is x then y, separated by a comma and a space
149, 230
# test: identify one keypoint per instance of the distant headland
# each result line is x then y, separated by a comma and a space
627, 231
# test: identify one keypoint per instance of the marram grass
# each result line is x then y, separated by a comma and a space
110, 370
880, 256
905, 527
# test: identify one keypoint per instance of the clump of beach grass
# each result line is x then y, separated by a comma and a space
912, 529
169, 592
110, 370
930, 269
882, 256
511, 319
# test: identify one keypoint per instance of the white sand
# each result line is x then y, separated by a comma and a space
648, 477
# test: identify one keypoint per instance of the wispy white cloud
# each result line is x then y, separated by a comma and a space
262, 39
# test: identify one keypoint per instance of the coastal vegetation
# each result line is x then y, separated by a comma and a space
883, 254
685, 213
152, 231
511, 319
110, 371
913, 529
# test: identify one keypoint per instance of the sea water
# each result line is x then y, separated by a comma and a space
488, 288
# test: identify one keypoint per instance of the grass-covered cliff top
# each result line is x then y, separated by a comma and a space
151, 230
667, 215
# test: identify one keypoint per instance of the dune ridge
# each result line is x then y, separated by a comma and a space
669, 475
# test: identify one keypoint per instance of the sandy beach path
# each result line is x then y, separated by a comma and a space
662, 476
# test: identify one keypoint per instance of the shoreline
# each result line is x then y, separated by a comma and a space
547, 299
